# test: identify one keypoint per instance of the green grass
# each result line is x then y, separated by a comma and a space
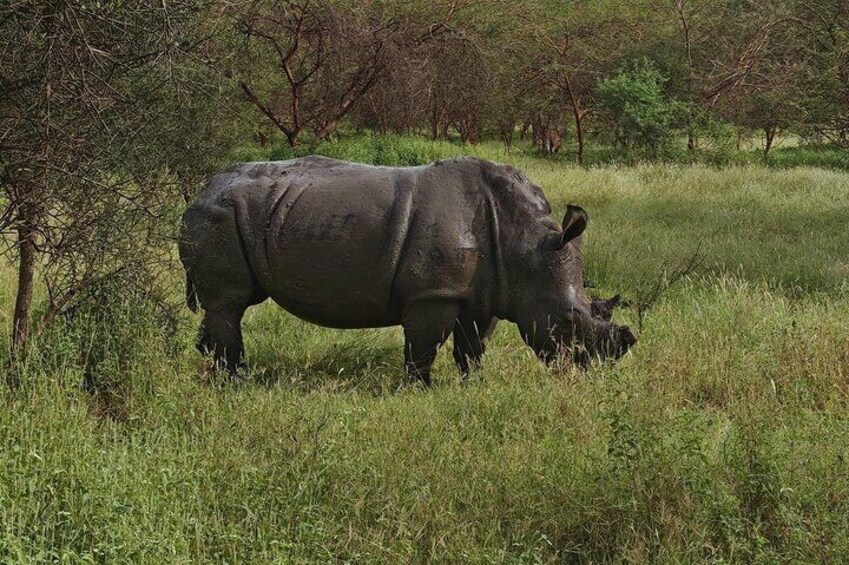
401, 150
721, 438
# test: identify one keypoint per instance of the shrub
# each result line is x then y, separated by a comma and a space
830, 157
389, 150
721, 143
634, 106
110, 337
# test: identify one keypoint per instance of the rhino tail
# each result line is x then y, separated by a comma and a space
191, 295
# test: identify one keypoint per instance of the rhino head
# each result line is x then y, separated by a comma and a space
554, 314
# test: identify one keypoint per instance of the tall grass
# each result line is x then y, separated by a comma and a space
406, 150
722, 438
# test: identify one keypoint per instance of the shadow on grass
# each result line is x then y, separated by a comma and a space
361, 362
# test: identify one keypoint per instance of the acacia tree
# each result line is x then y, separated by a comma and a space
571, 49
721, 46
82, 104
772, 99
398, 103
458, 86
308, 63
568, 72
821, 37
306, 39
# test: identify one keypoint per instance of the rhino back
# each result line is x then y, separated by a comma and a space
333, 240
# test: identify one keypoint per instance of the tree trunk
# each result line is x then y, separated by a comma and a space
579, 116
769, 133
538, 131
506, 132
292, 139
434, 126
26, 271
438, 125
292, 132
691, 141
579, 135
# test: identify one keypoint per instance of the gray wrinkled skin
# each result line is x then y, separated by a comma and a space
439, 249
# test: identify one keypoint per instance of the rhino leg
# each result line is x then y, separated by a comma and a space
213, 254
426, 327
221, 335
469, 342
221, 329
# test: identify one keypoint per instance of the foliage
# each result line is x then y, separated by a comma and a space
390, 150
93, 157
636, 108
822, 36
816, 156
494, 69
718, 142
110, 334
721, 438
306, 64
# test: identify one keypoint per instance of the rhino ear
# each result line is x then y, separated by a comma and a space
574, 224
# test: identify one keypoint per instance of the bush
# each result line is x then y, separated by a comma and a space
390, 150
721, 143
109, 339
830, 157
636, 109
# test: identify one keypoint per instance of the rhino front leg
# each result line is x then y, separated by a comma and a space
221, 335
426, 327
469, 343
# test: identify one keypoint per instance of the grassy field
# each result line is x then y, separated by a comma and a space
723, 437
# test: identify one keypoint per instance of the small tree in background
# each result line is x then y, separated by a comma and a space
306, 64
768, 111
822, 42
569, 51
636, 109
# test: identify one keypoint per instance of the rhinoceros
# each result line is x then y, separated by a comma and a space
444, 248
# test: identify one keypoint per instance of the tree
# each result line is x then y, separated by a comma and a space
569, 73
84, 91
822, 38
772, 101
456, 74
572, 47
308, 63
636, 107
720, 48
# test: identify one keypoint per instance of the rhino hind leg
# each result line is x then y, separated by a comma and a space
221, 279
220, 332
470, 342
427, 325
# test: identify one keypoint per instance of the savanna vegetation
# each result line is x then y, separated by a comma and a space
702, 137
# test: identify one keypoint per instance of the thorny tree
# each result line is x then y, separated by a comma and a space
724, 46
822, 39
86, 91
323, 57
